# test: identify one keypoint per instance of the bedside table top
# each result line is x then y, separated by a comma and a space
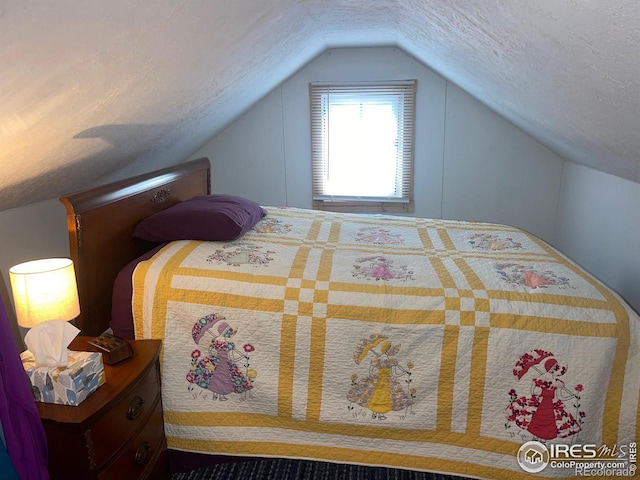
118, 379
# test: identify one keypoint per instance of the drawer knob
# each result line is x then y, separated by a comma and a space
136, 407
142, 453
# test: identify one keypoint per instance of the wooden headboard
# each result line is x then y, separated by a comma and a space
100, 222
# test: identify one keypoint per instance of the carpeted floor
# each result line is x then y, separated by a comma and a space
282, 469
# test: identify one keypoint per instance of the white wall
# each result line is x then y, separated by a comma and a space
248, 158
494, 172
599, 227
470, 163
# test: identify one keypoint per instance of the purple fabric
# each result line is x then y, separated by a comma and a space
206, 217
121, 315
23, 430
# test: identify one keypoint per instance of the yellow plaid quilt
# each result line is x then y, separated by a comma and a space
398, 341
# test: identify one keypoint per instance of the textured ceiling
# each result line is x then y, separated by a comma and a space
93, 91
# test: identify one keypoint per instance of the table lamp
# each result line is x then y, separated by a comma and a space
45, 295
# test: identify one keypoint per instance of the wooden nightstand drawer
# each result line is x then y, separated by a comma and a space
141, 452
126, 417
100, 437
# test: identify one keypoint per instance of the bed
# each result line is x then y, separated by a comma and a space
459, 347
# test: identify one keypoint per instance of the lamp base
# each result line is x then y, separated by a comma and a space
69, 385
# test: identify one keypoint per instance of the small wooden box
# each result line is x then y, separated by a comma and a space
113, 349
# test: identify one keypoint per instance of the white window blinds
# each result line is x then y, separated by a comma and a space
362, 137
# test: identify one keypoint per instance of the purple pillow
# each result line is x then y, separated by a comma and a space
206, 217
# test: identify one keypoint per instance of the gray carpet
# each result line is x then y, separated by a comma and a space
284, 469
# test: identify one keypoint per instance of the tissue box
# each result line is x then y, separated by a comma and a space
65, 385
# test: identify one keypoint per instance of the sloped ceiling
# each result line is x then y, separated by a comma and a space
94, 91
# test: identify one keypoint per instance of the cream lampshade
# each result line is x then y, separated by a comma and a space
46, 298
44, 290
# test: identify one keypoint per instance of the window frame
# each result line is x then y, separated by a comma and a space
319, 98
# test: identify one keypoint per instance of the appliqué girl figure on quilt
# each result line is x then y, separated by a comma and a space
528, 276
543, 413
380, 391
242, 253
217, 370
378, 236
379, 267
272, 225
487, 241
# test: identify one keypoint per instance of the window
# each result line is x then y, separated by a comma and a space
362, 146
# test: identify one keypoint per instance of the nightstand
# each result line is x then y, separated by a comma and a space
118, 431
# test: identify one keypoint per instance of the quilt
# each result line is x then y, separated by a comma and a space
457, 347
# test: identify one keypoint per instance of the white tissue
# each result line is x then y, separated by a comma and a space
48, 342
